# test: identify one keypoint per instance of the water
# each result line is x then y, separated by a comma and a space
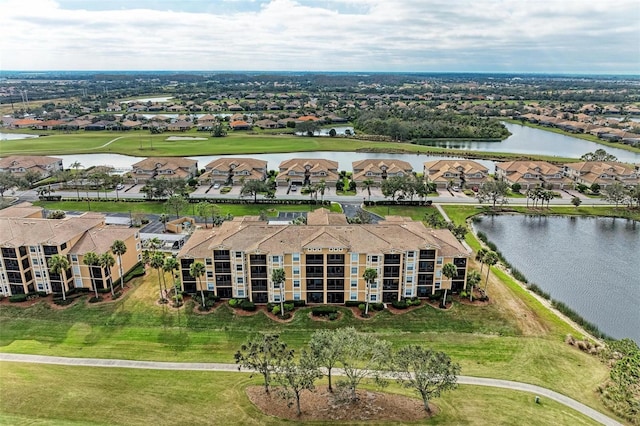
145, 100
15, 136
590, 264
529, 140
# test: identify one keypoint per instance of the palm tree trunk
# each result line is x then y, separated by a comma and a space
64, 281
121, 272
486, 282
202, 295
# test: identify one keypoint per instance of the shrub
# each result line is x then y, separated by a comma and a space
297, 303
136, 271
275, 310
62, 302
102, 290
323, 311
400, 304
247, 305
17, 298
333, 317
42, 293
116, 295
95, 299
463, 294
288, 307
352, 303
204, 308
518, 275
377, 306
233, 302
285, 316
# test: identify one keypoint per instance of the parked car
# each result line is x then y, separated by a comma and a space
119, 187
294, 188
216, 186
456, 188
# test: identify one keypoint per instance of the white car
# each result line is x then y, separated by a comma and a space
119, 187
216, 186
294, 188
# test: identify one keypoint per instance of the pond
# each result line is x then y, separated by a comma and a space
529, 140
590, 264
15, 136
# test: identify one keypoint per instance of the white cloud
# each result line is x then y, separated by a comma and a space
368, 35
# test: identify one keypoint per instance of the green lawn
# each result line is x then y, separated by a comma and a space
156, 207
143, 144
100, 396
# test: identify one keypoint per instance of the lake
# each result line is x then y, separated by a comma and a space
590, 264
15, 136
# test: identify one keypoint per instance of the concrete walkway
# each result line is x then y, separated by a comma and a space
195, 366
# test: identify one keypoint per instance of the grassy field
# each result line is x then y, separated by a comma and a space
94, 396
156, 207
143, 144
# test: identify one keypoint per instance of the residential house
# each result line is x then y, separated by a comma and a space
462, 173
27, 242
231, 171
180, 126
530, 174
324, 260
207, 122
19, 165
164, 167
301, 171
240, 125
603, 173
378, 170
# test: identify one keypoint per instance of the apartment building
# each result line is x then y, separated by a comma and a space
530, 174
27, 242
302, 171
232, 171
324, 260
603, 173
378, 170
19, 165
461, 173
164, 167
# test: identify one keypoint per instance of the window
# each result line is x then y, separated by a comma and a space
239, 267
353, 295
275, 259
208, 261
137, 246
40, 287
295, 257
439, 273
296, 296
354, 283
63, 246
137, 235
437, 285
354, 270
241, 293
296, 283
410, 254
408, 293
355, 257
76, 270
38, 274
238, 255
410, 266
240, 280
296, 270
276, 297
209, 274
439, 261
210, 286
33, 249
373, 298
409, 280
374, 259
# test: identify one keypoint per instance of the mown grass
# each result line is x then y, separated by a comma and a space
157, 207
484, 340
113, 396
143, 144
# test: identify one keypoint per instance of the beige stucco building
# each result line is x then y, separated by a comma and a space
324, 261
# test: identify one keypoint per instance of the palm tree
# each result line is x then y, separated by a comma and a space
76, 165
91, 259
107, 261
449, 270
491, 258
473, 279
171, 265
153, 244
278, 277
157, 262
369, 276
58, 264
480, 254
197, 271
367, 184
321, 186
119, 248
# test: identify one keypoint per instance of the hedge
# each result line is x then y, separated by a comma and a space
17, 298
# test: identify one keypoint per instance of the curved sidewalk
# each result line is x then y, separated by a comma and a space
201, 366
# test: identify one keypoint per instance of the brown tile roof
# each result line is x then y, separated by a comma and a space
27, 161
435, 170
22, 210
16, 232
100, 239
374, 166
164, 163
255, 236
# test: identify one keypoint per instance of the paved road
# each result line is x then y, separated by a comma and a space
194, 366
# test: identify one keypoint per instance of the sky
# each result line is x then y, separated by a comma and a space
510, 36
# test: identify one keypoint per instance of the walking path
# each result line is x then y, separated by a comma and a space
196, 366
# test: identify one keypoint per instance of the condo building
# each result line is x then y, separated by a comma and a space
28, 241
324, 260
